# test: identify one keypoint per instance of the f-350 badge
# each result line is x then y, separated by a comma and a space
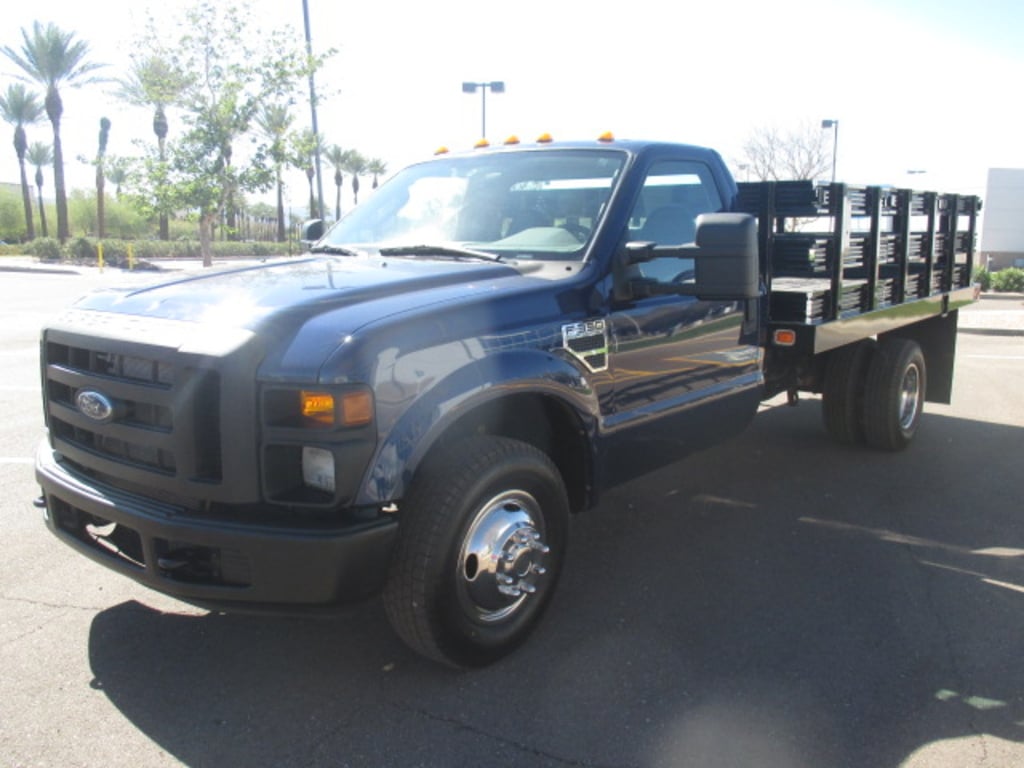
588, 343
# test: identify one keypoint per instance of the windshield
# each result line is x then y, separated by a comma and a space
542, 204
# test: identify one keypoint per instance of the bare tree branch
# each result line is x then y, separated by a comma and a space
803, 152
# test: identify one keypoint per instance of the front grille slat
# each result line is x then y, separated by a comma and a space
166, 412
121, 389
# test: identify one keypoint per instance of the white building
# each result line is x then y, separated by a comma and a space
1002, 229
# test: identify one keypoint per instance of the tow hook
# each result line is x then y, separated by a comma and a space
39, 502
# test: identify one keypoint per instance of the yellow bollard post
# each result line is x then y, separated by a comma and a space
131, 258
99, 255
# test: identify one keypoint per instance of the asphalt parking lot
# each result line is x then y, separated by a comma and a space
779, 601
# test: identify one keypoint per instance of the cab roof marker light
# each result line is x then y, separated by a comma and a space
544, 138
607, 137
511, 140
441, 151
784, 337
482, 144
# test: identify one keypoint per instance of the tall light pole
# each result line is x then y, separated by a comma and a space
834, 125
312, 106
495, 86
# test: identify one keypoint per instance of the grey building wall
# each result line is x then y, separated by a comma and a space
1002, 229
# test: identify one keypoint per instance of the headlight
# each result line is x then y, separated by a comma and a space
316, 442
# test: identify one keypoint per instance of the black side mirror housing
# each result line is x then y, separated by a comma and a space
312, 230
727, 260
724, 254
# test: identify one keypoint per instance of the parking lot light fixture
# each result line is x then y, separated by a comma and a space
834, 125
495, 86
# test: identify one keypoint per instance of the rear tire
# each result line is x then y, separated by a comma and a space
842, 393
481, 539
894, 394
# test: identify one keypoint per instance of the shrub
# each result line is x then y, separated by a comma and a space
983, 278
1009, 280
44, 248
81, 250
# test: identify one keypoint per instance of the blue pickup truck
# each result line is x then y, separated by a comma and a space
474, 354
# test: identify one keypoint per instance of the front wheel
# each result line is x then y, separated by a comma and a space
482, 535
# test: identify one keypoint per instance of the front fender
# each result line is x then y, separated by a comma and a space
468, 388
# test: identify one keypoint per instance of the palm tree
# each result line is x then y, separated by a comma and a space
53, 58
275, 121
20, 107
305, 147
117, 174
154, 82
40, 155
377, 168
356, 165
338, 158
101, 178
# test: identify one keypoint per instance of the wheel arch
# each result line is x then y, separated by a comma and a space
539, 399
937, 338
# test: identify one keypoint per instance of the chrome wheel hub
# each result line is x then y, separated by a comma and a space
910, 397
502, 557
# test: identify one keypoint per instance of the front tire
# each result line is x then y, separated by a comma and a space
481, 540
894, 394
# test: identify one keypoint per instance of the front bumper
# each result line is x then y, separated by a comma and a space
212, 562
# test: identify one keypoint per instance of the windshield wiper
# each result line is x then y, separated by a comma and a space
425, 249
337, 249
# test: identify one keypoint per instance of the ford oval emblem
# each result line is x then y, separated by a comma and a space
95, 405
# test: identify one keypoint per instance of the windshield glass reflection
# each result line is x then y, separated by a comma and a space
542, 204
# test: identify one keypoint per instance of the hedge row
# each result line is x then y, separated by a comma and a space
1009, 280
82, 250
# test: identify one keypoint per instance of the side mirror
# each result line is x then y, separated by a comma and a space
312, 230
727, 264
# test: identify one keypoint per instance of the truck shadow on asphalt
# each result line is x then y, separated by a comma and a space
777, 601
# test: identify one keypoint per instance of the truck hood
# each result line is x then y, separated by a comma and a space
248, 297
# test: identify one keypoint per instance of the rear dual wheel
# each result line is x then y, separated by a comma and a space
894, 395
874, 393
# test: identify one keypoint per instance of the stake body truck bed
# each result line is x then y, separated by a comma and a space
471, 355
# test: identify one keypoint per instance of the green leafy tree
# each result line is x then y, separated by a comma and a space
229, 69
21, 107
357, 166
117, 174
275, 121
40, 155
376, 168
154, 82
52, 58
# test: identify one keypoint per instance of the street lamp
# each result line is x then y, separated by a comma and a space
316, 130
834, 125
496, 86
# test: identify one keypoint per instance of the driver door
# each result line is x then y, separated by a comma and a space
685, 371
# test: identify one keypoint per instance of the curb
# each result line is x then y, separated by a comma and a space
39, 270
992, 331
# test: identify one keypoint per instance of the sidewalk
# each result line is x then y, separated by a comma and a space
995, 313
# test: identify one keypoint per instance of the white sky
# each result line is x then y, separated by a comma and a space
915, 84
